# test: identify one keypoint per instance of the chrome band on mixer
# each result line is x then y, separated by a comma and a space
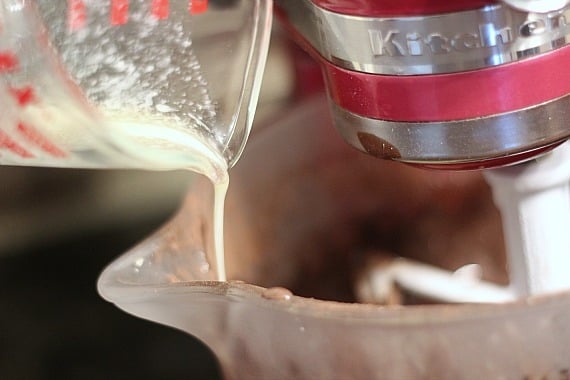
457, 141
434, 44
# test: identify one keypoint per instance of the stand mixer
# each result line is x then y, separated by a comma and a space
458, 85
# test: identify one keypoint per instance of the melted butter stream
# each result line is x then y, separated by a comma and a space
220, 191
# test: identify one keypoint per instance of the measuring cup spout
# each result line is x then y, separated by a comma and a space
153, 279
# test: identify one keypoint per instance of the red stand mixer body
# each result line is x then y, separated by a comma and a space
450, 85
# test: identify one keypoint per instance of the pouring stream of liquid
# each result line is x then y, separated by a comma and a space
220, 191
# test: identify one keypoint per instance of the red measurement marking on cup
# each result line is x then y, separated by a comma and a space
198, 6
76, 14
6, 142
160, 9
8, 61
33, 136
23, 96
119, 12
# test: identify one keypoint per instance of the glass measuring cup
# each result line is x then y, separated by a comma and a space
120, 83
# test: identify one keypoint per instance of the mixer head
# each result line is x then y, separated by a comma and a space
450, 85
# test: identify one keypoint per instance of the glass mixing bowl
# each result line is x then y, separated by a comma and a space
301, 210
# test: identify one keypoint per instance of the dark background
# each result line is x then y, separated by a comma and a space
53, 324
